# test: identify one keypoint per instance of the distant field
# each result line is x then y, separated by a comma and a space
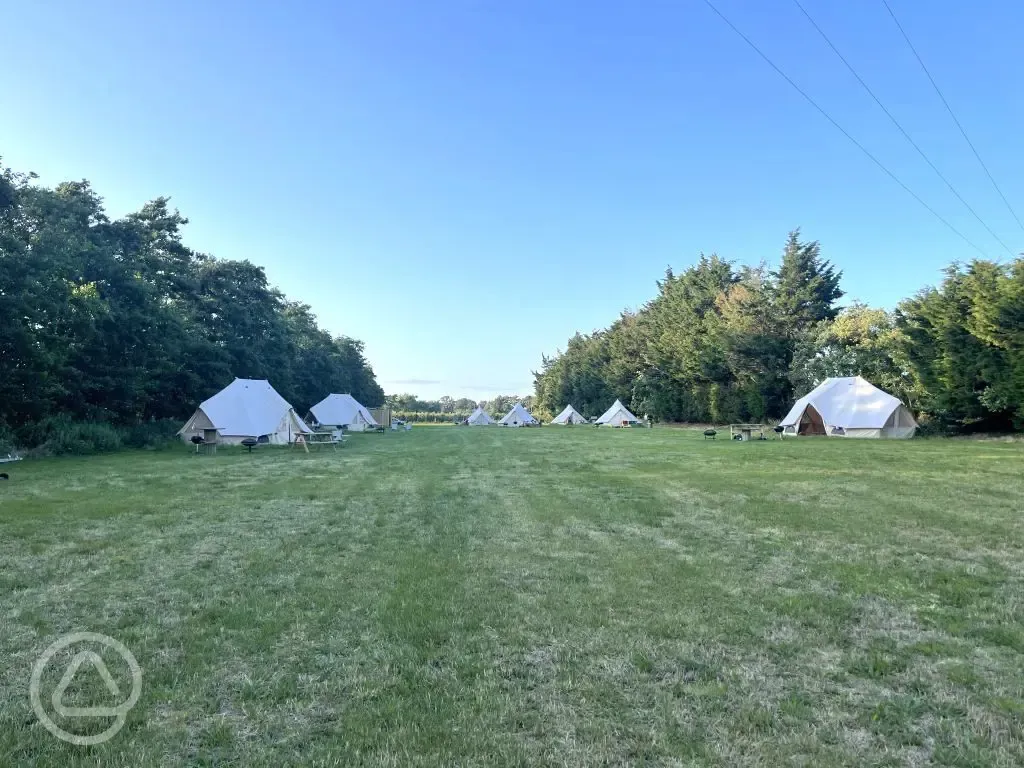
554, 596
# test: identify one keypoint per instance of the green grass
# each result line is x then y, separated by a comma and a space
555, 596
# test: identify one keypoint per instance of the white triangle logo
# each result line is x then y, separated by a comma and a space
69, 675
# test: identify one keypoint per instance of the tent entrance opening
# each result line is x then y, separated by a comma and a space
811, 422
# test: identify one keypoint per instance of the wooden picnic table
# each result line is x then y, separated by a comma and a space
746, 431
318, 438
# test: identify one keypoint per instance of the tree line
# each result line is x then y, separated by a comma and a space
720, 343
447, 409
118, 322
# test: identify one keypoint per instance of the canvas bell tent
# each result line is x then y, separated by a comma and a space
342, 411
518, 417
849, 407
569, 416
479, 418
246, 408
617, 416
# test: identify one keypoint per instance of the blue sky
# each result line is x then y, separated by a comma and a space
518, 171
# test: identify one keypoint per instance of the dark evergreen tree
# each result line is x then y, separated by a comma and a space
119, 321
806, 286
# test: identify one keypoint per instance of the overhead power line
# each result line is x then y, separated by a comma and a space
842, 130
951, 113
896, 122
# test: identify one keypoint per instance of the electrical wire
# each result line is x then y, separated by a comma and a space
896, 122
951, 113
842, 130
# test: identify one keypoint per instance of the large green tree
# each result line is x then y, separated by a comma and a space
965, 339
715, 343
806, 285
120, 321
861, 341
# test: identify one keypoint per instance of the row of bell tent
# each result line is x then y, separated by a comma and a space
517, 417
617, 416
847, 406
253, 408
838, 407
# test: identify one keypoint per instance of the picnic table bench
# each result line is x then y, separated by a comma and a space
746, 431
318, 439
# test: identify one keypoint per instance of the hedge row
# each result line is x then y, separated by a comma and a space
60, 435
429, 417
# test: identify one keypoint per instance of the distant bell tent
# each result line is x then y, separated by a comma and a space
246, 408
617, 416
342, 411
518, 417
479, 418
569, 416
849, 407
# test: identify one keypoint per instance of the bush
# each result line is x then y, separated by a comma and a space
934, 427
429, 417
7, 441
80, 438
153, 434
59, 435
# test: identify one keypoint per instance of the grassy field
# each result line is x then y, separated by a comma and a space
569, 597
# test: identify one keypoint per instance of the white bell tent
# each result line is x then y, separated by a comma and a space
849, 407
569, 416
518, 417
479, 418
342, 411
246, 408
617, 416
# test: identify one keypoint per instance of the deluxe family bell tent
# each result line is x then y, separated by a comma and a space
569, 416
479, 418
342, 411
849, 407
617, 416
518, 417
246, 408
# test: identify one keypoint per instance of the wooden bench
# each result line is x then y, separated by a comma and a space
318, 439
